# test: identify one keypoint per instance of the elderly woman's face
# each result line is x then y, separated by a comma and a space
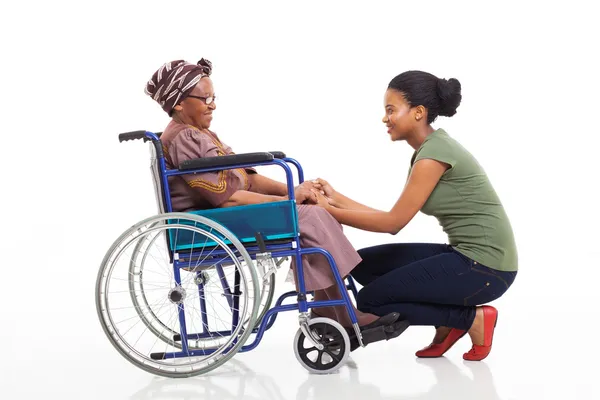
195, 111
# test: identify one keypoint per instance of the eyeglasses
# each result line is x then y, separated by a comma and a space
207, 100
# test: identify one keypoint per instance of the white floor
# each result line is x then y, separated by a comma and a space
543, 349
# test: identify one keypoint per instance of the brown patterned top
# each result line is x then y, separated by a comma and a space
203, 190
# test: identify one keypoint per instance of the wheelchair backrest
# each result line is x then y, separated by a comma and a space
157, 182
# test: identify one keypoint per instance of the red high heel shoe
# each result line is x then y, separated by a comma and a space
438, 350
477, 352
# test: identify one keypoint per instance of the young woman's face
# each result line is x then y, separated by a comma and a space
398, 115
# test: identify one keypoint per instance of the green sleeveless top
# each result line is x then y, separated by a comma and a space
467, 206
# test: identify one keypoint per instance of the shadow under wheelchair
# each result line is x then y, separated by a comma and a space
236, 380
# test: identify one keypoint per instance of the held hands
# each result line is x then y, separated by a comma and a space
322, 201
318, 192
326, 195
324, 187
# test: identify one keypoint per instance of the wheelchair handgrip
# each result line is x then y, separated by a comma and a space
225, 161
278, 154
132, 135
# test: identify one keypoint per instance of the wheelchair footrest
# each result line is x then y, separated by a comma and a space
374, 335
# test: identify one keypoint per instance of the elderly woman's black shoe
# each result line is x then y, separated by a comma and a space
385, 328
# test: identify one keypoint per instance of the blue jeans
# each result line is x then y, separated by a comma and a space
428, 284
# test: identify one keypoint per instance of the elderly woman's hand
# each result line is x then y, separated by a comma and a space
306, 185
305, 195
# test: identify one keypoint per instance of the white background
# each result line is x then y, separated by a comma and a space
306, 78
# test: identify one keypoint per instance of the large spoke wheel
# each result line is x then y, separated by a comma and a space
180, 320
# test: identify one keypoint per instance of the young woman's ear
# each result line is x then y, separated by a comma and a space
420, 112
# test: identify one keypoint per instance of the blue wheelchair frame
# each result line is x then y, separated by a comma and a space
291, 248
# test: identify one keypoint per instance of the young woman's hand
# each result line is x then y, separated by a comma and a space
321, 200
324, 187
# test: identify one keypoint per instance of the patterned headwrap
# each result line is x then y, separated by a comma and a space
174, 81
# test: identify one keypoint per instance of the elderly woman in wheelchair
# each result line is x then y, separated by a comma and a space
200, 275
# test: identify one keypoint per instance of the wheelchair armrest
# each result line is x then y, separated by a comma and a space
230, 161
278, 154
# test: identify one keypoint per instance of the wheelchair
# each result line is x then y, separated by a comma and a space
180, 293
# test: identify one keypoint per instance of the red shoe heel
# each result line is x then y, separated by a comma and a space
438, 350
477, 352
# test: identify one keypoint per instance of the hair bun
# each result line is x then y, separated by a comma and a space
449, 92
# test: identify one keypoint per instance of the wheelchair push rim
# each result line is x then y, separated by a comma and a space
154, 323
